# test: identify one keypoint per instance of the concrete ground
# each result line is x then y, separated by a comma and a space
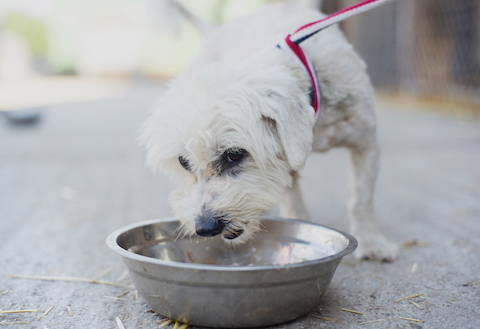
66, 184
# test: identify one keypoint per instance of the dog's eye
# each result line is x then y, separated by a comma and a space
228, 162
235, 155
184, 163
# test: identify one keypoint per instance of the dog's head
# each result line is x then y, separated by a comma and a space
231, 138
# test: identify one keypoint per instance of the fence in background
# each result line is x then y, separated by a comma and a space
428, 48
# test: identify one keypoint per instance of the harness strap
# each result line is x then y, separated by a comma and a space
292, 41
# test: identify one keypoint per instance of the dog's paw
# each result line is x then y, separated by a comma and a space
375, 247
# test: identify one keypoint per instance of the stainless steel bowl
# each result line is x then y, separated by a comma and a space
278, 276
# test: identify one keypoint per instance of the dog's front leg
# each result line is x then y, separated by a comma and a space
291, 203
364, 226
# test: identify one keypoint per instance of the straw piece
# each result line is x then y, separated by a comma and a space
408, 297
45, 313
410, 319
135, 295
69, 279
4, 292
373, 321
183, 326
119, 323
351, 311
18, 311
8, 323
123, 294
414, 268
69, 310
416, 305
165, 323
327, 318
175, 326
113, 297
48, 310
410, 243
324, 318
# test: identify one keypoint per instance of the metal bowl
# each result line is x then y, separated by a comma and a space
276, 277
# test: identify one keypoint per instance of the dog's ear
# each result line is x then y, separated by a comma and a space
294, 126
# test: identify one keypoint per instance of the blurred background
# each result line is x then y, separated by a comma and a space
78, 78
425, 50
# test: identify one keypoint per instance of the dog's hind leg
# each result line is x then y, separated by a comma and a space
291, 203
364, 226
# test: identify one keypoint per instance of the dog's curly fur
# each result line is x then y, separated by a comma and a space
244, 93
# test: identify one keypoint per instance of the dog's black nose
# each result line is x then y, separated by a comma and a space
209, 225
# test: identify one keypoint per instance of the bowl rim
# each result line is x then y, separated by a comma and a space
111, 242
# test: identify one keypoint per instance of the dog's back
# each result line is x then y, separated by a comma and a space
248, 35
341, 71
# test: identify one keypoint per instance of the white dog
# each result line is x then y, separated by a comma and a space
237, 127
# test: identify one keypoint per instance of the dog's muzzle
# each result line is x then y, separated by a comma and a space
208, 224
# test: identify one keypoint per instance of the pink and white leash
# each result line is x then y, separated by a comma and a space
292, 41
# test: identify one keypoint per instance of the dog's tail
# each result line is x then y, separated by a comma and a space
170, 12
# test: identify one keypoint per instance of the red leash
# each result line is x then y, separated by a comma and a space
292, 41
